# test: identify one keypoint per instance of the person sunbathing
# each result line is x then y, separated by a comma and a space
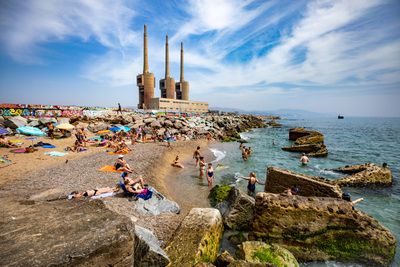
124, 146
122, 165
4, 142
131, 181
96, 192
176, 163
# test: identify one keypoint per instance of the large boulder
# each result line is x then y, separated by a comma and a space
168, 123
197, 239
64, 233
312, 150
45, 120
278, 180
257, 251
321, 229
34, 122
95, 127
364, 175
309, 142
149, 120
147, 249
157, 204
15, 122
237, 209
156, 124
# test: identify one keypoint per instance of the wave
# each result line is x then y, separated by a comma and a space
218, 154
244, 136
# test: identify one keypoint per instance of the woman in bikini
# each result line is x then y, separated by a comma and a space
251, 186
96, 192
210, 174
202, 166
122, 165
176, 163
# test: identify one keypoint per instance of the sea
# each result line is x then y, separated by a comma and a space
350, 141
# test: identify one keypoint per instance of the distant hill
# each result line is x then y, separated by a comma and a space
279, 112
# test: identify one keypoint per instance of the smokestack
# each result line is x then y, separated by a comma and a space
166, 58
145, 63
182, 77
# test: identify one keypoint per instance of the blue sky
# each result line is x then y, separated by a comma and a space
323, 56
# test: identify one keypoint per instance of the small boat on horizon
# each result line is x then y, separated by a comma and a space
340, 117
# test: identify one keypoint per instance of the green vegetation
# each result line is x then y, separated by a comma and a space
267, 255
218, 194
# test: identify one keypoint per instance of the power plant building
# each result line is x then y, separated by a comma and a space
168, 87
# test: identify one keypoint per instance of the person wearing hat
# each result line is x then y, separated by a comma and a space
122, 165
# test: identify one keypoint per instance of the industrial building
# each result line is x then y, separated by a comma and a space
174, 96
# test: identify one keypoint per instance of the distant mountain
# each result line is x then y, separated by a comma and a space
279, 112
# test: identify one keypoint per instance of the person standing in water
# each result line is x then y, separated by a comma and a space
304, 160
202, 166
251, 186
210, 174
197, 155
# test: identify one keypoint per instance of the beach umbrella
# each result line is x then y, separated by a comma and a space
104, 131
65, 126
4, 130
114, 129
125, 128
30, 130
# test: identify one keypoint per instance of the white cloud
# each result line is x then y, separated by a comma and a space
26, 25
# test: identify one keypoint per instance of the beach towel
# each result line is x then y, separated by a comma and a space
115, 153
82, 149
17, 141
22, 150
108, 168
55, 153
109, 194
4, 160
48, 146
146, 194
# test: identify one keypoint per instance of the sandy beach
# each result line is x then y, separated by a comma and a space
35, 176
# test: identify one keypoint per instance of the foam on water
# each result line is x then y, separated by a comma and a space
218, 154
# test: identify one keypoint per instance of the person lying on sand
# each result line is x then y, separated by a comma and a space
4, 142
176, 163
251, 187
122, 165
122, 147
96, 192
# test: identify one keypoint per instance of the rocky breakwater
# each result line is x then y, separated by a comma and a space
197, 238
309, 142
320, 229
226, 128
278, 180
364, 175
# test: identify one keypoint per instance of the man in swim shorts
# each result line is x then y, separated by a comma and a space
304, 160
197, 155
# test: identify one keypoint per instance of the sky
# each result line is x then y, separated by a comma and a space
325, 56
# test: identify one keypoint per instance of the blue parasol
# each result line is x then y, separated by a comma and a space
30, 130
4, 130
125, 128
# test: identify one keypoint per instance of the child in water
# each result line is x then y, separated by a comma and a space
210, 174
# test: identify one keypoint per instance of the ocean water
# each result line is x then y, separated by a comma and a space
350, 141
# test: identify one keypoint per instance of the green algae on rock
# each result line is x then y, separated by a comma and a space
197, 238
257, 251
218, 194
315, 228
